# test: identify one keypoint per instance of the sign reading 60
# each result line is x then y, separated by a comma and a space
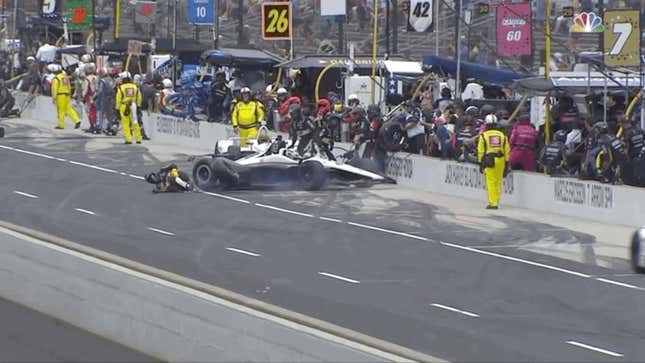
276, 21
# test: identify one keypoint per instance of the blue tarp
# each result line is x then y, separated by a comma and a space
483, 73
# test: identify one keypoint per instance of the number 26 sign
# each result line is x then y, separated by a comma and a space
276, 21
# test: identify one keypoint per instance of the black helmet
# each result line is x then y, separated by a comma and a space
445, 92
560, 135
487, 110
373, 111
153, 178
472, 111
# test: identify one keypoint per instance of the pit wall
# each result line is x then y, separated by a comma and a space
571, 197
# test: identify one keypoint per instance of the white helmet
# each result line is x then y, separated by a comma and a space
166, 83
490, 119
125, 75
90, 68
352, 97
86, 58
282, 91
137, 78
31, 59
53, 67
269, 89
245, 90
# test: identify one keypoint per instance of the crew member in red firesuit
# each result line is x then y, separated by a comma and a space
284, 102
523, 138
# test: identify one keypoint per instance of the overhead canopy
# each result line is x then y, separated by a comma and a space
403, 67
162, 45
483, 73
73, 49
578, 82
322, 61
240, 57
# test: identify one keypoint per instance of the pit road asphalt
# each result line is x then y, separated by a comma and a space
398, 269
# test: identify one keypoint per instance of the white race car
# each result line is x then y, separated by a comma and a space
265, 165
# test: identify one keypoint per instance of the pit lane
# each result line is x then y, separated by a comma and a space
399, 269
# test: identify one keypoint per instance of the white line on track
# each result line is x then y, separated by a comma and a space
161, 231
25, 194
85, 211
337, 277
92, 167
537, 264
387, 231
622, 284
243, 252
595, 349
27, 152
227, 197
455, 310
330, 219
62, 160
284, 210
136, 177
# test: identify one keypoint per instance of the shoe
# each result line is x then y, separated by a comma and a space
77, 125
138, 142
128, 142
492, 207
59, 128
145, 137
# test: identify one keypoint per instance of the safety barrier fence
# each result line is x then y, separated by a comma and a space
589, 200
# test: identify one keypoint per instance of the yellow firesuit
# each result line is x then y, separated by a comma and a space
247, 116
126, 95
62, 96
494, 144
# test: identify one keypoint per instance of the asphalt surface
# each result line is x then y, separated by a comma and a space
398, 269
29, 336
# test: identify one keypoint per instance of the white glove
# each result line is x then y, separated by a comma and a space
263, 123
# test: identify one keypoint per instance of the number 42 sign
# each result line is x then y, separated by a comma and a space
276, 21
622, 38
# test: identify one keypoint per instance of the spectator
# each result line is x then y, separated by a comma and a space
220, 97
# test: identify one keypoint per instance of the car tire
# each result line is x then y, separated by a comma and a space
636, 247
224, 172
313, 175
203, 175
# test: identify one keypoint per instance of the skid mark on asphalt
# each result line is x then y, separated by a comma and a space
593, 348
354, 224
455, 310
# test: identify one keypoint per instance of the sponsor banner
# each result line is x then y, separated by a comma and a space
514, 29
622, 37
583, 194
468, 175
79, 14
173, 126
145, 12
399, 167
50, 9
333, 8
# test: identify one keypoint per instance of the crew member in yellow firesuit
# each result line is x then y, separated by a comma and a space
128, 100
247, 116
493, 152
62, 97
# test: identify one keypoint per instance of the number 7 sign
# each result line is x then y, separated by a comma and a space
622, 38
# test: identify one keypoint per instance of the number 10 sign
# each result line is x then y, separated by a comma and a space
514, 29
201, 12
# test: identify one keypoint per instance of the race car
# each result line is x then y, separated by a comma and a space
275, 164
638, 250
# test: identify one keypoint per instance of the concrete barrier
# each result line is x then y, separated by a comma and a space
165, 315
590, 200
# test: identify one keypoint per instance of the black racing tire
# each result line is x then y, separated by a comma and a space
203, 174
391, 135
313, 175
225, 172
635, 249
1, 131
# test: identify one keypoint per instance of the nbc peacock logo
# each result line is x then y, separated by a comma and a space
587, 23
